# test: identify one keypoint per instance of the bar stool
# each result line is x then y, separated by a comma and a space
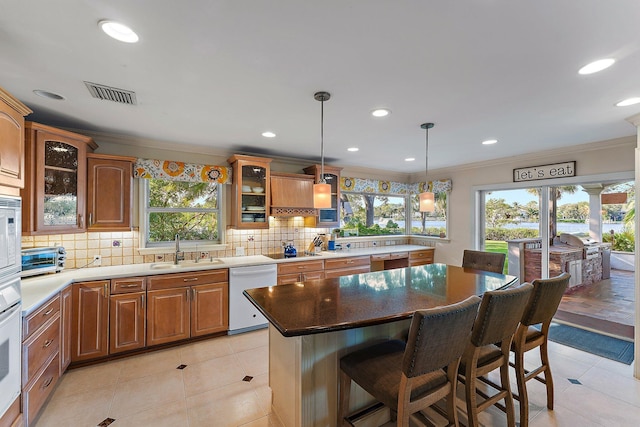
408, 377
542, 306
487, 261
497, 320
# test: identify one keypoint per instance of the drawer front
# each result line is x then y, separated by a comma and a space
300, 266
398, 255
39, 348
421, 257
168, 281
126, 285
35, 396
330, 274
381, 257
331, 264
39, 317
287, 279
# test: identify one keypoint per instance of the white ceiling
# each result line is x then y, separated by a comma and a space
218, 73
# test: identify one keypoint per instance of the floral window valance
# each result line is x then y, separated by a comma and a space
180, 171
362, 185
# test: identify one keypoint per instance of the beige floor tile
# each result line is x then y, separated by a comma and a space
260, 422
232, 405
140, 394
573, 353
171, 414
562, 417
255, 361
204, 350
249, 340
81, 380
211, 374
89, 407
261, 386
617, 367
598, 407
149, 363
618, 386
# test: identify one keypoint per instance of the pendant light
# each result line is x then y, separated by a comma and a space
322, 190
427, 199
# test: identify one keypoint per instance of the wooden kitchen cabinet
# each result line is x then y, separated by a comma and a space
12, 114
55, 180
292, 194
109, 192
40, 357
326, 217
346, 266
421, 257
90, 329
300, 271
183, 305
389, 261
250, 208
127, 314
66, 323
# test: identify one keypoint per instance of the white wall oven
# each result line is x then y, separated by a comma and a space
10, 301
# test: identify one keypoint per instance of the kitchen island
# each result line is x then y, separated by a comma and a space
313, 324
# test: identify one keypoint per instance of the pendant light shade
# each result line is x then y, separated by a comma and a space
427, 199
322, 190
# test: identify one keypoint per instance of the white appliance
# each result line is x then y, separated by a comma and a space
10, 301
244, 316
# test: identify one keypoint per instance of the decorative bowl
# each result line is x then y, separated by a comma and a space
246, 189
258, 189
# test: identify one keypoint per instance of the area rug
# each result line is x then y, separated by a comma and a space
591, 342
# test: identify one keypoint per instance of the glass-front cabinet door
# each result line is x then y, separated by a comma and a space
57, 204
251, 192
327, 217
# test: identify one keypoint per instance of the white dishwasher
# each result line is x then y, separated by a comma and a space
244, 316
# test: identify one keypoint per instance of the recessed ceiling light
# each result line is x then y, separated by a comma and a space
410, 159
268, 134
353, 149
47, 94
628, 101
596, 66
118, 31
489, 141
381, 112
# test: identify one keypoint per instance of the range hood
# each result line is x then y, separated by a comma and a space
292, 195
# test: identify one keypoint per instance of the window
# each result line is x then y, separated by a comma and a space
365, 214
432, 224
189, 209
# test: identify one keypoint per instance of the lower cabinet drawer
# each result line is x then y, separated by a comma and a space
37, 393
39, 348
330, 274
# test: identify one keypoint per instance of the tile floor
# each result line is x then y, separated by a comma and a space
148, 390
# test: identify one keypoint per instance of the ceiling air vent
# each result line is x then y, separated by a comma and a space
111, 93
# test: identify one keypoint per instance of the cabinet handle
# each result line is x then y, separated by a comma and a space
90, 219
47, 383
80, 221
48, 312
301, 267
47, 343
142, 302
105, 290
188, 294
193, 294
192, 279
128, 285
350, 261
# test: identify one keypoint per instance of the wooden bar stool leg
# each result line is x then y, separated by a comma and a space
343, 401
522, 388
470, 393
548, 378
508, 397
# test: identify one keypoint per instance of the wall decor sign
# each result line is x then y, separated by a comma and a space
534, 173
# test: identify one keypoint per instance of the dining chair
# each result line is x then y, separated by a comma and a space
480, 260
413, 375
542, 306
488, 350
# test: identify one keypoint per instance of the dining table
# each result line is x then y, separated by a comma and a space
312, 324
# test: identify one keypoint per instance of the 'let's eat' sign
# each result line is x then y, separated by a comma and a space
533, 173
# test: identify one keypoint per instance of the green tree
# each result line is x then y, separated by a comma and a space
497, 212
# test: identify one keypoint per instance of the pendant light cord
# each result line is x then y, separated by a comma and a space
426, 127
322, 180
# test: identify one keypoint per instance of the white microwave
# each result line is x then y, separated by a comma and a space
10, 232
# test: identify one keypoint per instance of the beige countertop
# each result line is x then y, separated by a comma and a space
37, 290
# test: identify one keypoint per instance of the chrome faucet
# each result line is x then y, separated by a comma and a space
179, 257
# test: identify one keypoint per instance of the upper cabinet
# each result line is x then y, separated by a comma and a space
326, 217
251, 192
109, 184
292, 194
55, 180
12, 114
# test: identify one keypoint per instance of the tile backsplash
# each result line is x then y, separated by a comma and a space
118, 248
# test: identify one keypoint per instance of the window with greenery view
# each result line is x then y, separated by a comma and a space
189, 209
432, 224
365, 214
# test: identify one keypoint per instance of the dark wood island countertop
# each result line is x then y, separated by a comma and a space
347, 302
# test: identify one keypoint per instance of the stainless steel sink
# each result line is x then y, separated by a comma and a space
183, 264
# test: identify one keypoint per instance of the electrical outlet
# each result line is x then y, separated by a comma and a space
240, 251
204, 255
97, 260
